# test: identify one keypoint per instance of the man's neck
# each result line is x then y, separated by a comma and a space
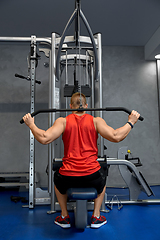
79, 113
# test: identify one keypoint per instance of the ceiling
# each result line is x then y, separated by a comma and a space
121, 22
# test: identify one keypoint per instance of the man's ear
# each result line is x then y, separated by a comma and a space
86, 106
70, 106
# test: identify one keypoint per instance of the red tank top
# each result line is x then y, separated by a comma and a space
80, 146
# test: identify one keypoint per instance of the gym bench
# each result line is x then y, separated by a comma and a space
81, 197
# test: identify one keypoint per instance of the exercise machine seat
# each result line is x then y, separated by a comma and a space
81, 196
82, 193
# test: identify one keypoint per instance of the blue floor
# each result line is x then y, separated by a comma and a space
132, 222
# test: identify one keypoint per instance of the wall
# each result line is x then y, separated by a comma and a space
131, 82
128, 81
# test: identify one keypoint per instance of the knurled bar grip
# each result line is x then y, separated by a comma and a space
82, 109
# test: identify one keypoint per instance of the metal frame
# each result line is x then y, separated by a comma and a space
33, 41
55, 45
59, 44
140, 185
52, 53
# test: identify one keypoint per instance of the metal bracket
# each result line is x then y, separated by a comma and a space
111, 202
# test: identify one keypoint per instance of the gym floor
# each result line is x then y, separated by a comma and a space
132, 222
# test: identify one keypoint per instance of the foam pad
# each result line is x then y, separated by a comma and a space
82, 193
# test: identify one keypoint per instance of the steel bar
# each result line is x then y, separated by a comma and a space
82, 109
24, 39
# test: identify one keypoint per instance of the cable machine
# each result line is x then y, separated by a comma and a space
78, 52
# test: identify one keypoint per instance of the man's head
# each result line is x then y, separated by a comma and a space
77, 99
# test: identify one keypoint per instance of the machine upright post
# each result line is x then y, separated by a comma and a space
99, 49
32, 146
158, 88
53, 82
49, 125
98, 89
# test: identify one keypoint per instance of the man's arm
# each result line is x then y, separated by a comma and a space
115, 135
48, 136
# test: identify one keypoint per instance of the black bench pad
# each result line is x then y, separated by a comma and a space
82, 193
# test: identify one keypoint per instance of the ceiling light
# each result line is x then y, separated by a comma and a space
157, 56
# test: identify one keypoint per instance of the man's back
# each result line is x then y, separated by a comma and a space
80, 146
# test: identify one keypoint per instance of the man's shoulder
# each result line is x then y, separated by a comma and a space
61, 120
97, 119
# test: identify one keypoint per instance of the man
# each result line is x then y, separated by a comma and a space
80, 166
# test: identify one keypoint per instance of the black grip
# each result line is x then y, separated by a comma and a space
129, 112
121, 109
39, 82
81, 109
32, 115
20, 76
21, 121
141, 118
27, 78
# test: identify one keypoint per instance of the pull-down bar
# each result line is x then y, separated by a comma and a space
82, 109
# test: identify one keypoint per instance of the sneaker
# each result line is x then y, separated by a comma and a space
63, 222
98, 222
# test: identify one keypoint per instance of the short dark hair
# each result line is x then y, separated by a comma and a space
75, 99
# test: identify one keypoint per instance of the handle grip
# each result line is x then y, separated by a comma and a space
27, 78
129, 112
21, 121
20, 76
81, 109
141, 118
39, 82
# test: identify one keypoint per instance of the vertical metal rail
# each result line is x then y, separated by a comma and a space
98, 89
101, 147
32, 146
66, 79
87, 82
92, 87
53, 82
158, 89
49, 124
99, 50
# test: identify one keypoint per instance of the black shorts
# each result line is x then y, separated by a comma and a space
96, 180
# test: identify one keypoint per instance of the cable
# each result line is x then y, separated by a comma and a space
79, 63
